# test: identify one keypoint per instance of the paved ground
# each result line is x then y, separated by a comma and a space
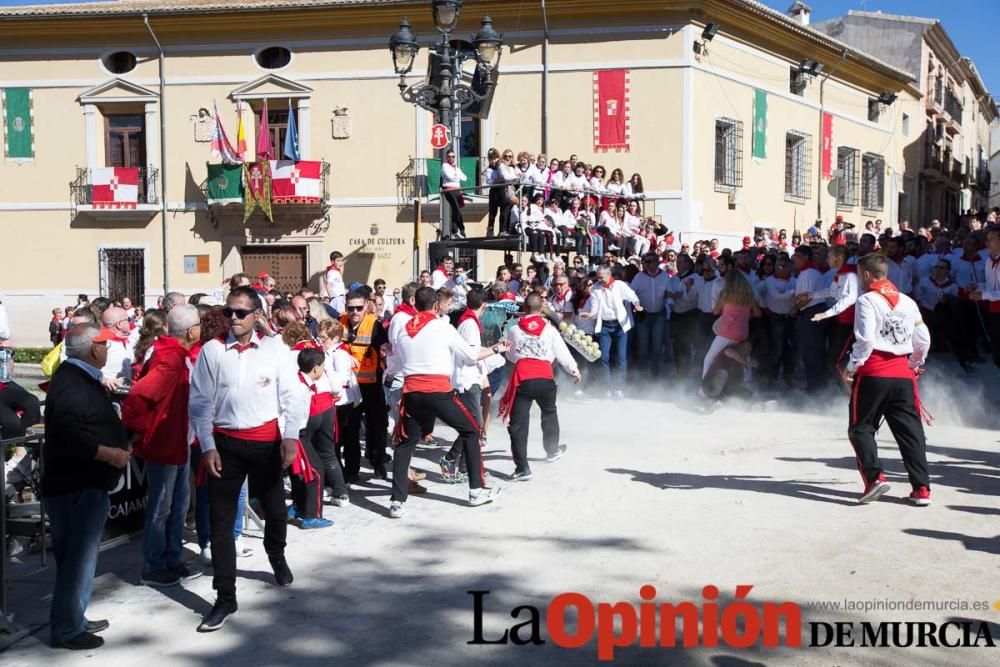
651, 493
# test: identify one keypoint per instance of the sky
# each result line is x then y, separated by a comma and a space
971, 24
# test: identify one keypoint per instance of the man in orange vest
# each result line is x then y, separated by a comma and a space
365, 336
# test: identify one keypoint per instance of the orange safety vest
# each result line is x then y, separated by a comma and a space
361, 348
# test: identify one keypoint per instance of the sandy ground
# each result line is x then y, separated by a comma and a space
651, 492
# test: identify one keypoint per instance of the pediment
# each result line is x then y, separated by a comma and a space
118, 91
270, 86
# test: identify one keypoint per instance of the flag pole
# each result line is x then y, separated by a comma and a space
163, 160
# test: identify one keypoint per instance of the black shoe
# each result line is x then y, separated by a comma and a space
160, 579
97, 626
282, 575
223, 609
352, 478
84, 641
379, 470
184, 572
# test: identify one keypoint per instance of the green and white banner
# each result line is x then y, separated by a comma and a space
759, 124
19, 130
225, 184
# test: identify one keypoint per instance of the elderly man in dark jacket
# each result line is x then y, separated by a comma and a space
85, 449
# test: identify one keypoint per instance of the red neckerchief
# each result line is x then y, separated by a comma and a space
508, 296
405, 309
419, 321
808, 265
470, 314
847, 268
345, 347
947, 283
444, 271
312, 387
974, 258
532, 324
239, 347
333, 267
610, 283
305, 345
995, 261
886, 290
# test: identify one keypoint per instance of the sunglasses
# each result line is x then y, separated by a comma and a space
240, 313
355, 309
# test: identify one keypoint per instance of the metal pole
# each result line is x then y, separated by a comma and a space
444, 118
416, 239
545, 80
163, 160
822, 111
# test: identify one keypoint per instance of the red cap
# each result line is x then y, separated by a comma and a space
106, 334
840, 218
262, 275
746, 239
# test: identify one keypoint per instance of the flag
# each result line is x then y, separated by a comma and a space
265, 150
291, 147
222, 149
826, 159
295, 182
114, 187
257, 177
241, 133
611, 110
18, 117
759, 124
225, 184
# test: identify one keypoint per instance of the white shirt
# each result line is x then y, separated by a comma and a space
689, 299
439, 278
810, 281
611, 222
548, 346
990, 287
241, 390
393, 362
708, 293
339, 366
651, 290
335, 288
436, 350
121, 354
4, 323
587, 326
466, 376
965, 272
776, 294
926, 264
608, 303
628, 191
451, 176
901, 274
899, 330
562, 304
844, 292
929, 293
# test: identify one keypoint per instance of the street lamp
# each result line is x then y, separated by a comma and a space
444, 92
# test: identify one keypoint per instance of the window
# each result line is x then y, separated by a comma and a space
847, 183
728, 154
277, 124
874, 109
119, 62
797, 165
906, 125
796, 81
872, 182
273, 57
125, 145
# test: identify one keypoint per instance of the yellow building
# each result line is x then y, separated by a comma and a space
90, 74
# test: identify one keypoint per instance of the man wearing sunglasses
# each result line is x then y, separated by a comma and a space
118, 369
242, 388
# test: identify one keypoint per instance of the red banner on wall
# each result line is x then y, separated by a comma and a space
827, 167
611, 110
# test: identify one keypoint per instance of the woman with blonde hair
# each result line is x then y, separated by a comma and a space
316, 309
154, 325
736, 305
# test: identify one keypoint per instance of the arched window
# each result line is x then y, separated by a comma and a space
119, 62
273, 57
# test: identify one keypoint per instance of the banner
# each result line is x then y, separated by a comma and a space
827, 169
114, 187
225, 184
265, 150
611, 110
759, 124
295, 182
19, 130
222, 149
257, 179
291, 148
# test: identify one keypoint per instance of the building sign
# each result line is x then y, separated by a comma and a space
376, 246
826, 160
196, 264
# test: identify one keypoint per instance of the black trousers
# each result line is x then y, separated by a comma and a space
416, 411
13, 399
453, 198
320, 432
705, 335
782, 350
373, 410
683, 328
307, 497
496, 204
473, 400
542, 392
895, 400
993, 324
812, 347
840, 348
261, 463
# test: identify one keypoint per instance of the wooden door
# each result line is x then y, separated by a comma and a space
286, 264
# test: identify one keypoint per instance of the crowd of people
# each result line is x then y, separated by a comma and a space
247, 390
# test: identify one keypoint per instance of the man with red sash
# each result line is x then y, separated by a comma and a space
890, 346
534, 345
334, 286
989, 291
441, 276
429, 348
844, 291
242, 388
307, 468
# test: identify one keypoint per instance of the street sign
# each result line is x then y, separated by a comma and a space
440, 136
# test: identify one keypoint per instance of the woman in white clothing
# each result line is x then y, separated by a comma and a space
633, 189
616, 184
508, 201
451, 189
632, 229
611, 226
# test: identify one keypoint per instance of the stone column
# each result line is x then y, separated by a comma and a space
304, 127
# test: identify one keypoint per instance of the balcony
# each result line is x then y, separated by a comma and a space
952, 113
932, 159
115, 193
300, 191
934, 101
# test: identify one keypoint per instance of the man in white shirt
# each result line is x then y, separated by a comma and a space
684, 313
334, 287
118, 370
989, 290
610, 310
708, 291
812, 335
776, 296
441, 276
652, 286
891, 344
246, 407
844, 292
534, 345
429, 349
451, 189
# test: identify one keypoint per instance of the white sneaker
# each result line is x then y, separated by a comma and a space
327, 494
242, 550
484, 495
206, 555
619, 395
396, 510
342, 501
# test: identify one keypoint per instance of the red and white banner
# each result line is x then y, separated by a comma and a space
295, 182
114, 187
611, 110
827, 155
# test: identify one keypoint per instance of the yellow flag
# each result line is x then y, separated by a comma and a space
241, 135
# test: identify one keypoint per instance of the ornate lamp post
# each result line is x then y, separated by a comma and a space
444, 93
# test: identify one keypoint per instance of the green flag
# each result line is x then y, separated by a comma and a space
759, 124
225, 184
18, 130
